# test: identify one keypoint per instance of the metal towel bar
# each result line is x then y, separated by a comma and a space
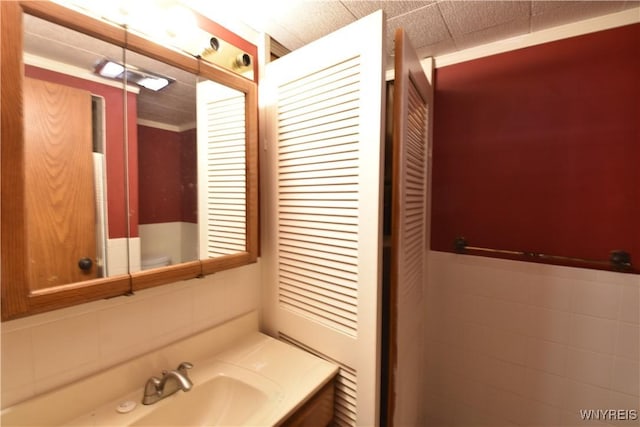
618, 259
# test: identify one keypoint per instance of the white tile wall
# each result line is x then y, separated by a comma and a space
178, 240
48, 350
513, 343
117, 261
630, 304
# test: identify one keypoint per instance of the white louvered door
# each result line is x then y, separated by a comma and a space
409, 235
322, 228
221, 170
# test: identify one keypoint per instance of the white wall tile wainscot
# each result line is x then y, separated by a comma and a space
515, 343
42, 352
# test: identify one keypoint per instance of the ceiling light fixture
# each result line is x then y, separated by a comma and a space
113, 70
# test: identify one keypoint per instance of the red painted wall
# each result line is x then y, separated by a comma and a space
114, 130
539, 149
167, 172
189, 175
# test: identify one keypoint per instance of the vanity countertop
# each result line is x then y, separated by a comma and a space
293, 374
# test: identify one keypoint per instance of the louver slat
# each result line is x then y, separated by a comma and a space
318, 195
414, 215
300, 277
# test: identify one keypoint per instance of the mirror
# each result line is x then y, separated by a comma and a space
116, 253
75, 150
166, 165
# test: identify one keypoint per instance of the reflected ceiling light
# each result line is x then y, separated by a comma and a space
113, 70
153, 83
110, 69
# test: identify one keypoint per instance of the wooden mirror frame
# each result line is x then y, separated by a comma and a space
18, 299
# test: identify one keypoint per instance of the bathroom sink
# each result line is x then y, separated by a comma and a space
255, 381
222, 400
223, 394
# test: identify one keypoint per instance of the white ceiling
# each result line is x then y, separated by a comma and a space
435, 27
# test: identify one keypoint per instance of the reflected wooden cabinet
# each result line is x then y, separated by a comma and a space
59, 205
49, 217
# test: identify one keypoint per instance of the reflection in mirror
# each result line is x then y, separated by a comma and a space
222, 170
74, 158
45, 216
166, 229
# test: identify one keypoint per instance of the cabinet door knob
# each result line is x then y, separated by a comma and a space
85, 264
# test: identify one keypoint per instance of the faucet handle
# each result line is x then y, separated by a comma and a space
152, 390
184, 366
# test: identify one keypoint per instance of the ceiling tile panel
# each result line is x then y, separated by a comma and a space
424, 26
309, 20
463, 17
539, 6
441, 48
547, 14
282, 34
492, 34
361, 8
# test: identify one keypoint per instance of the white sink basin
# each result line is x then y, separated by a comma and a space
223, 394
222, 400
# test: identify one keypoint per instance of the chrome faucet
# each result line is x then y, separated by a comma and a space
158, 388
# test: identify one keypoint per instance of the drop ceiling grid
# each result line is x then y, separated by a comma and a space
435, 27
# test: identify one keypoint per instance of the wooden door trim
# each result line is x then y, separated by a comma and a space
14, 271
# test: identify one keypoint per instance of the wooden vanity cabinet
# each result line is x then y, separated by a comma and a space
317, 411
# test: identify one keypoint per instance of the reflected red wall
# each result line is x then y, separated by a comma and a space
539, 149
189, 176
167, 173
